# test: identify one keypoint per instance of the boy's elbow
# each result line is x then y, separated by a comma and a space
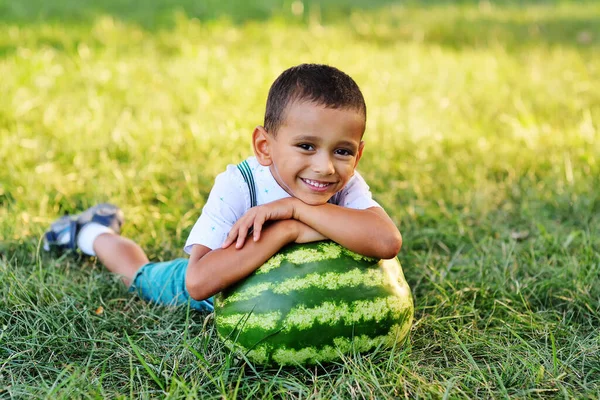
194, 288
392, 246
197, 284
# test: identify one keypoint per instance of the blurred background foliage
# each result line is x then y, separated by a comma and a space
482, 144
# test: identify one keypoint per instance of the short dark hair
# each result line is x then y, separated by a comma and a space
316, 83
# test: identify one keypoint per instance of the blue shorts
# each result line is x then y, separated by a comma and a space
164, 283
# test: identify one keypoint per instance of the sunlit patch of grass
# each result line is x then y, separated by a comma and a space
482, 143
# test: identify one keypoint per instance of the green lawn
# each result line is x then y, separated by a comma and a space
483, 144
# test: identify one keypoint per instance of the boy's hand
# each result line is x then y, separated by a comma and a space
255, 218
306, 234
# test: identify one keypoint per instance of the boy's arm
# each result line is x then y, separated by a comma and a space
369, 232
210, 271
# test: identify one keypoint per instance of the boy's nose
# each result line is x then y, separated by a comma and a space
323, 165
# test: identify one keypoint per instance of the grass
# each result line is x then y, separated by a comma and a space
482, 144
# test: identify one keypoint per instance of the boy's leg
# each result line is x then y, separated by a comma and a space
164, 283
120, 255
96, 233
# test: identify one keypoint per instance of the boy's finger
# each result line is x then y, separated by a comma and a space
233, 233
241, 237
256, 232
258, 223
228, 241
240, 242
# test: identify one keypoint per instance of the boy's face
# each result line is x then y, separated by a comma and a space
315, 151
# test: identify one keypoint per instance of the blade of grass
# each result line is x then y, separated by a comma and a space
145, 364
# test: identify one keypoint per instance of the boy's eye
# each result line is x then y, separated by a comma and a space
343, 152
306, 146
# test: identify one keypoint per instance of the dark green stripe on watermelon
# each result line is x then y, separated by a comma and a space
313, 337
332, 297
269, 301
288, 270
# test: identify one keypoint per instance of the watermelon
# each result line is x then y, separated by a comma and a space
311, 303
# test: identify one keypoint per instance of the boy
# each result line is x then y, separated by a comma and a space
301, 186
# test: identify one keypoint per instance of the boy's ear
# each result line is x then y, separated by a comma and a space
261, 145
361, 147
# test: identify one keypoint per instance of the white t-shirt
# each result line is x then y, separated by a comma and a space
229, 200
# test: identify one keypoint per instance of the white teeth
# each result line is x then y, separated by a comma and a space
315, 183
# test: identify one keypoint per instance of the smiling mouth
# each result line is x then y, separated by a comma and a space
317, 185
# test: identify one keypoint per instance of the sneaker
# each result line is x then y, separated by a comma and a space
62, 234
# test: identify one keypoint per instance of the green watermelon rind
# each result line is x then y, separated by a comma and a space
269, 338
